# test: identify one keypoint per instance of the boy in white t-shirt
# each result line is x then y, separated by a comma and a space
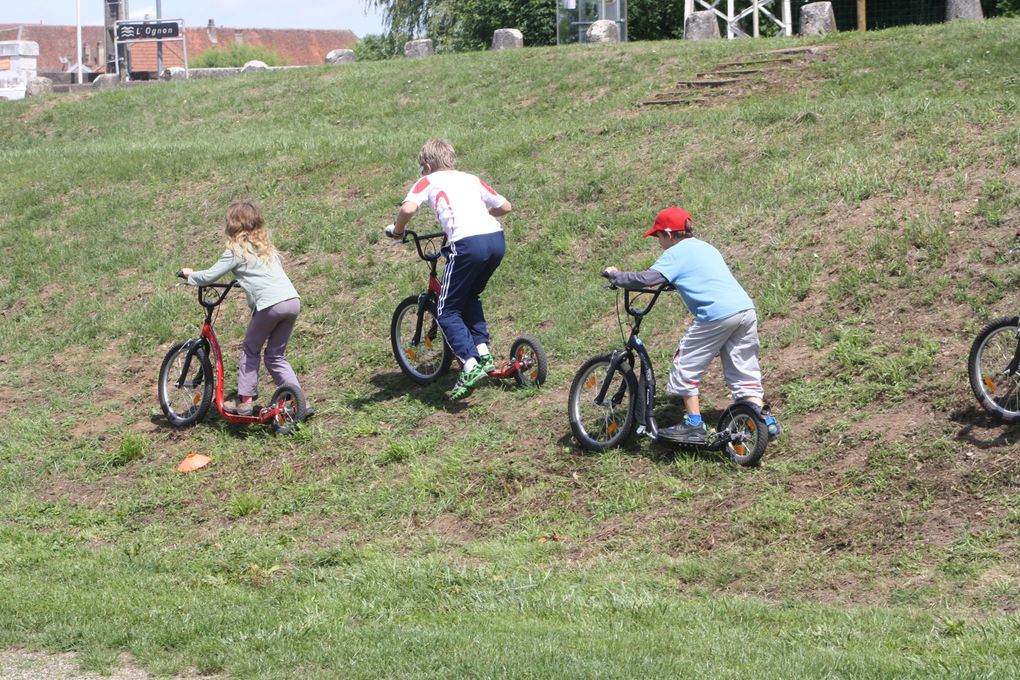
466, 208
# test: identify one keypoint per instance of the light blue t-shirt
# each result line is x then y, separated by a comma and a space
701, 276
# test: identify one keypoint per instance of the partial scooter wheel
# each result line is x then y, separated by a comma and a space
750, 436
290, 400
997, 389
529, 351
185, 387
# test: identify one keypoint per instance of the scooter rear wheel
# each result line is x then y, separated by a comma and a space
529, 351
290, 399
743, 422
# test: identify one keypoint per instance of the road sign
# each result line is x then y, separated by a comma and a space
148, 30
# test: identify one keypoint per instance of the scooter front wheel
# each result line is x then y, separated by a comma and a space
599, 427
996, 389
290, 402
748, 433
426, 359
185, 387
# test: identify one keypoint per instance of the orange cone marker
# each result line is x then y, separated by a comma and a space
194, 461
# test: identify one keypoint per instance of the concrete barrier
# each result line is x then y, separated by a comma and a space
603, 31
702, 26
340, 57
507, 39
963, 9
817, 18
418, 48
254, 66
106, 81
178, 72
37, 86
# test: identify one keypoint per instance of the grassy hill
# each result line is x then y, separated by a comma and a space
865, 198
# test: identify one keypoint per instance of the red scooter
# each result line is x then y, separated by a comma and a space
186, 379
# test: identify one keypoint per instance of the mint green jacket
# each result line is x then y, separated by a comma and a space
264, 285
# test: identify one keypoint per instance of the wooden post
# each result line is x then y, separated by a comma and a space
729, 20
862, 15
688, 9
787, 18
755, 20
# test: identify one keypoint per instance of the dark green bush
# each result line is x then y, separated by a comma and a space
238, 54
378, 47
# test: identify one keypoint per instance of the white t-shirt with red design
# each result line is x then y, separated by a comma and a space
461, 202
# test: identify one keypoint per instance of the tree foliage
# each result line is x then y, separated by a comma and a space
456, 25
1008, 8
655, 20
378, 47
476, 20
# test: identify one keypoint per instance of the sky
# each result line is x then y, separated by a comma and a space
327, 14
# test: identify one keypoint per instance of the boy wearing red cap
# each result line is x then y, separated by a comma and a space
725, 322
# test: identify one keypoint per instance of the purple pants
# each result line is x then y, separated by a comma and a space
271, 327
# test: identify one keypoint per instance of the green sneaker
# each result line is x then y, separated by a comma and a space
466, 381
487, 363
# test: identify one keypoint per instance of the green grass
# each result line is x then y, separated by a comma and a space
866, 208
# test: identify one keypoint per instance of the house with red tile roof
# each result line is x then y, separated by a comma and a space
57, 45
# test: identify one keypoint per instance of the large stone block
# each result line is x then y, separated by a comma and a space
507, 39
817, 18
106, 81
340, 57
37, 86
702, 26
174, 73
963, 9
603, 31
254, 65
418, 48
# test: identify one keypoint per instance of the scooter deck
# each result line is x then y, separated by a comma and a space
689, 439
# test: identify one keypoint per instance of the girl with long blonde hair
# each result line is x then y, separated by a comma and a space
256, 264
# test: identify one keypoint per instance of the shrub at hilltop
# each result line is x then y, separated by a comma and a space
375, 47
237, 55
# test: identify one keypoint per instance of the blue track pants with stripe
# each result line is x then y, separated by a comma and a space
469, 264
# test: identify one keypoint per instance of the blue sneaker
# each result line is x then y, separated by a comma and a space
775, 429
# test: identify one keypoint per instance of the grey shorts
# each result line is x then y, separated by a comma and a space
735, 340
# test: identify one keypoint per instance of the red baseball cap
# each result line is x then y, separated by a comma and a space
671, 219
